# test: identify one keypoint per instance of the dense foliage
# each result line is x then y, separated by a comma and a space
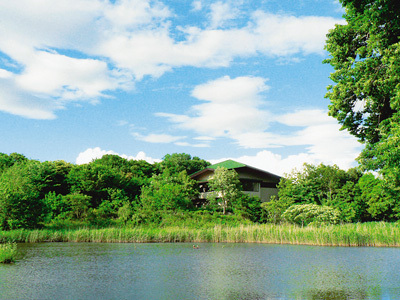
109, 191
366, 96
225, 187
357, 197
113, 191
364, 53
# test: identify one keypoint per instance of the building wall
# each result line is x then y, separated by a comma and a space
266, 193
247, 175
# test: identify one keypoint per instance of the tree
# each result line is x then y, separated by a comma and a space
321, 185
178, 162
364, 53
136, 168
21, 194
384, 156
169, 192
314, 184
100, 180
7, 161
381, 203
225, 187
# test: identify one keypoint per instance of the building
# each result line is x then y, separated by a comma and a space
255, 182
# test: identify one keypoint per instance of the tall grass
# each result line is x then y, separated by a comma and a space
8, 252
366, 234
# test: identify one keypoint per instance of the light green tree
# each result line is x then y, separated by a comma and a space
168, 191
225, 187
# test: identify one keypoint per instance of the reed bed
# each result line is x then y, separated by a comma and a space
365, 234
8, 252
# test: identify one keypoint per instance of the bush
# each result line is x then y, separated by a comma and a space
311, 213
273, 209
8, 252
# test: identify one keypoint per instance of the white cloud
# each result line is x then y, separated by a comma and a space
197, 5
62, 76
75, 50
94, 153
220, 13
186, 144
130, 14
5, 74
204, 138
18, 102
158, 138
232, 107
276, 164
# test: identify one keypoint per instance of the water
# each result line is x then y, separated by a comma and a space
214, 271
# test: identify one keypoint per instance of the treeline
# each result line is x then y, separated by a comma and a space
329, 194
113, 191
108, 191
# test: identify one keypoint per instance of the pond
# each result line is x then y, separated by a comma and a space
214, 271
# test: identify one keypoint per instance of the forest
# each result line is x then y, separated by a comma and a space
114, 191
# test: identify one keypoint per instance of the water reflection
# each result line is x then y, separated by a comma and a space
214, 271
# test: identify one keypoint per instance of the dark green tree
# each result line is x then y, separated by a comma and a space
7, 161
178, 162
99, 181
364, 53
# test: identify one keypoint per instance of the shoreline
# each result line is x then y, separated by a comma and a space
378, 234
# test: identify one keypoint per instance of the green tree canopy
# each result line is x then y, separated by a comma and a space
168, 191
137, 168
7, 161
364, 53
321, 185
178, 162
225, 187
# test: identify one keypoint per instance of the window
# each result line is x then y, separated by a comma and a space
251, 186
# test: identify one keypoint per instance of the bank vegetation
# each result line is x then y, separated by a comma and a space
378, 234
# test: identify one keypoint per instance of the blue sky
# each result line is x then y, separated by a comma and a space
215, 79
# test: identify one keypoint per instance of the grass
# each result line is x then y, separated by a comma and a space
8, 252
365, 234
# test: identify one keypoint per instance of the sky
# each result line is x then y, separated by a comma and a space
229, 79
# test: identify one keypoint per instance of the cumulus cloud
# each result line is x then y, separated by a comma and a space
78, 50
197, 5
220, 13
157, 138
94, 153
231, 107
234, 109
65, 77
276, 164
19, 102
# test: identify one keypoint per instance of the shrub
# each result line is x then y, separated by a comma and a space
311, 213
8, 252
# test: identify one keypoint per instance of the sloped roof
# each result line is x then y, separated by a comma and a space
231, 164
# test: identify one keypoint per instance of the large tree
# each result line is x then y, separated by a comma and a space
364, 53
169, 192
225, 187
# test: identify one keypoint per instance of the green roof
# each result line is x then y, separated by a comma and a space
229, 164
